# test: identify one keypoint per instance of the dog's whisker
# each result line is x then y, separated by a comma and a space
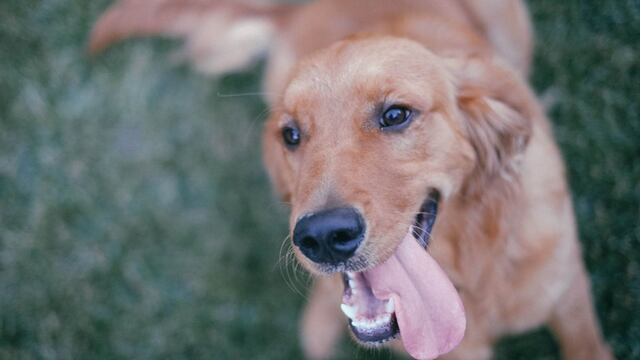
248, 94
283, 258
249, 131
291, 282
282, 246
287, 264
297, 270
291, 273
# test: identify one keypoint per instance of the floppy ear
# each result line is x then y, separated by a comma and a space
497, 111
220, 35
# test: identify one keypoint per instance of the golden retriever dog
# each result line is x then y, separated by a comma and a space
427, 193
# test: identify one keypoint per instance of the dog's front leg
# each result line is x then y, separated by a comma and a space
322, 322
574, 323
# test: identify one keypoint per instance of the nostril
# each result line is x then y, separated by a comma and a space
343, 236
345, 242
309, 242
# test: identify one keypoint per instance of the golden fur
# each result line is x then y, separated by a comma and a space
505, 234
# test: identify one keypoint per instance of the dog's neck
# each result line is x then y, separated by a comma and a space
472, 225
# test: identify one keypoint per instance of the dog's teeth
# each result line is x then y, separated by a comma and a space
361, 324
350, 275
348, 310
390, 306
381, 321
367, 324
353, 286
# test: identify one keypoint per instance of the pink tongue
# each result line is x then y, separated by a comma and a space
429, 312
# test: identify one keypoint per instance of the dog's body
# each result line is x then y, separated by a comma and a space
505, 233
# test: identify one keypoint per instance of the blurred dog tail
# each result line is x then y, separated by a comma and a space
219, 35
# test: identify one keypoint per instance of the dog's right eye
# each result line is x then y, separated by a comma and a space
395, 117
291, 136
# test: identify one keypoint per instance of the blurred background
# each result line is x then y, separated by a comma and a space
136, 221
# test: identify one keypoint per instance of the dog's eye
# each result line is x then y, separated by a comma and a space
291, 136
395, 117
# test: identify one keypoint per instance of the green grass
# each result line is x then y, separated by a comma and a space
136, 221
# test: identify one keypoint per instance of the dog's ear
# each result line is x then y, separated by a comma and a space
497, 111
220, 36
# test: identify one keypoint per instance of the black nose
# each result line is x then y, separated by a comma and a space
330, 236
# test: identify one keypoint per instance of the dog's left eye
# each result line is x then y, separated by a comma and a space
395, 117
291, 136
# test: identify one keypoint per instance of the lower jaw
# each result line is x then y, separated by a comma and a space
376, 336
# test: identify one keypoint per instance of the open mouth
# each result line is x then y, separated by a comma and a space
408, 296
371, 320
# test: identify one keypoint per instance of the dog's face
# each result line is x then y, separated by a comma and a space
368, 127
370, 135
365, 126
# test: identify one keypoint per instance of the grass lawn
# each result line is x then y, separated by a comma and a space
136, 221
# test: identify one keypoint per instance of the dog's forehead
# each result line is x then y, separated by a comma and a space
362, 70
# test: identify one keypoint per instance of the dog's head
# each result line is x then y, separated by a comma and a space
378, 128
369, 136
